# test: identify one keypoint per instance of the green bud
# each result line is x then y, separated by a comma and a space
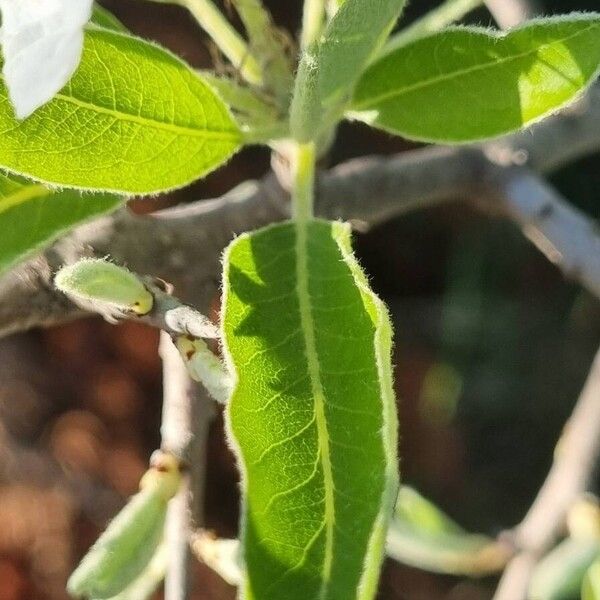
205, 367
99, 282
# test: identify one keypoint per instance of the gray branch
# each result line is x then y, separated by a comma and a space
183, 245
567, 480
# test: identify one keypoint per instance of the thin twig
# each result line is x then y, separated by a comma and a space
173, 316
184, 431
576, 456
177, 437
565, 235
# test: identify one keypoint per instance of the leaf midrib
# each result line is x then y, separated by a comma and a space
308, 328
458, 73
230, 135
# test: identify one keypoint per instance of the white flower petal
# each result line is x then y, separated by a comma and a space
41, 42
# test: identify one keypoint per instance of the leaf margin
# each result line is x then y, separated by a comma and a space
365, 115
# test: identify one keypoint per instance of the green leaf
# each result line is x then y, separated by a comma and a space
415, 510
353, 36
124, 550
131, 541
591, 583
560, 574
104, 18
134, 118
466, 84
312, 414
145, 586
32, 216
422, 536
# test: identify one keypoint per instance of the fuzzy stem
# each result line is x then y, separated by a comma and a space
304, 182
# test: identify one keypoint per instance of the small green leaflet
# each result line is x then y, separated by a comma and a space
417, 511
355, 33
133, 119
312, 415
466, 84
32, 216
151, 578
129, 546
104, 18
124, 550
422, 536
591, 583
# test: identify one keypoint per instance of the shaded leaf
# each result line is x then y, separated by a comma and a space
466, 84
32, 216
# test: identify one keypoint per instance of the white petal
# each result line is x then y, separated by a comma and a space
41, 42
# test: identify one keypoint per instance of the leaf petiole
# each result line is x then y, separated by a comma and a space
303, 182
229, 41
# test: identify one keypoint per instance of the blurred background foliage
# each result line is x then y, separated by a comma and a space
492, 347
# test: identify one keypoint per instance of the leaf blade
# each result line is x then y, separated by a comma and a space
133, 119
32, 216
480, 85
356, 31
298, 498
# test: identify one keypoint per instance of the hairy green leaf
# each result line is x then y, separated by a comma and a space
134, 118
124, 550
104, 18
129, 545
32, 216
355, 33
145, 586
466, 84
312, 415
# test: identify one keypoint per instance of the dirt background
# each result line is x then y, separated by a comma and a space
492, 347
